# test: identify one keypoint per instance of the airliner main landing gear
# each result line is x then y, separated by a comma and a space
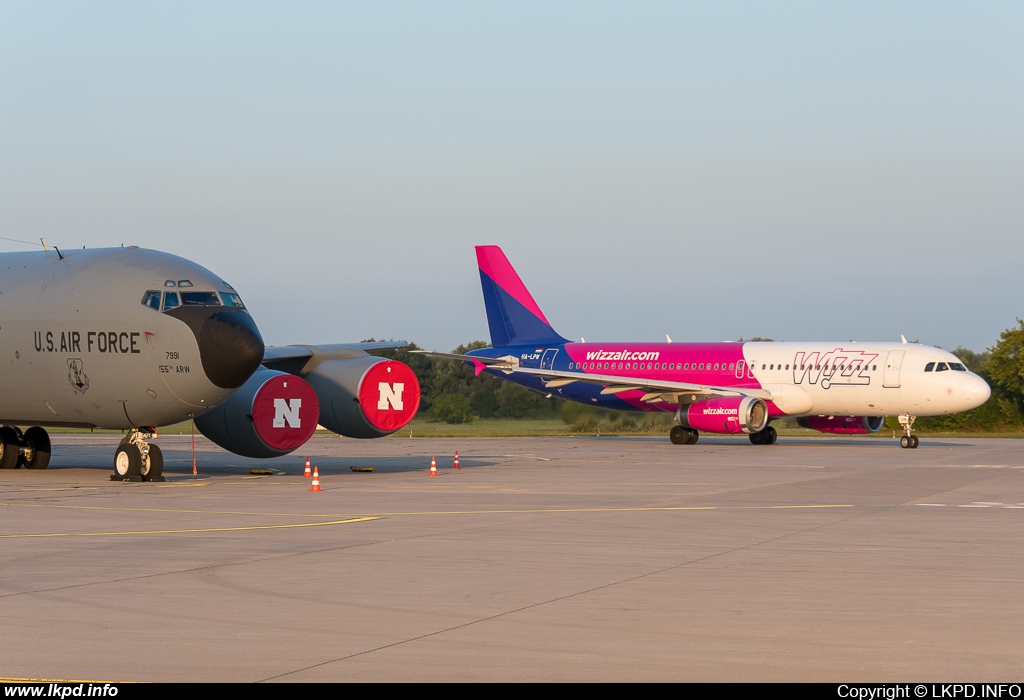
30, 449
909, 440
767, 436
683, 436
137, 460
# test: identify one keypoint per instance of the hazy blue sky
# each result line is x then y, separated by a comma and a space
806, 171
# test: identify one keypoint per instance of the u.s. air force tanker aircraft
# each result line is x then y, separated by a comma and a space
727, 388
132, 339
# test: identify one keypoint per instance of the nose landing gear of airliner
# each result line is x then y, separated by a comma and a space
137, 460
683, 436
909, 440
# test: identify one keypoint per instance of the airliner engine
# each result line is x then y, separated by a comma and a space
275, 412
739, 414
843, 425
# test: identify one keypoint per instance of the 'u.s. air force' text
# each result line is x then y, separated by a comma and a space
121, 342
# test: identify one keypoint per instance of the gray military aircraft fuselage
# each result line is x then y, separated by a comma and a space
121, 338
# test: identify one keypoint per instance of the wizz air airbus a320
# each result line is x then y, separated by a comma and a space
725, 388
132, 339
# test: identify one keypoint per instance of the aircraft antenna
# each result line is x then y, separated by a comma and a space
43, 241
59, 255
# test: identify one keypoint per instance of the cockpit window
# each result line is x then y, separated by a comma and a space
170, 301
941, 367
232, 300
957, 366
929, 367
184, 283
170, 283
151, 299
199, 298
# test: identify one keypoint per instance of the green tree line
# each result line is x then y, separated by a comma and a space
452, 393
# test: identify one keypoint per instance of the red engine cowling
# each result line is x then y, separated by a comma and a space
272, 414
364, 397
843, 425
732, 415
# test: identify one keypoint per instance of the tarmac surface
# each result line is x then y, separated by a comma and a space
565, 559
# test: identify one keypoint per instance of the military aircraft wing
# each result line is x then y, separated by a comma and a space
283, 356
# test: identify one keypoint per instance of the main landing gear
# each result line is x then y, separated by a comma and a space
137, 460
30, 449
909, 440
683, 436
767, 436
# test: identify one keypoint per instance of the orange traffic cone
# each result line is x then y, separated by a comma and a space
433, 467
316, 480
456, 465
307, 474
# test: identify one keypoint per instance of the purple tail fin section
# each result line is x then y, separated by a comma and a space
512, 314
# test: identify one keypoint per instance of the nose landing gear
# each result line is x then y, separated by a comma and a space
137, 460
909, 440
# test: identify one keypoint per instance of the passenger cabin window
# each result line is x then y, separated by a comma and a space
941, 367
151, 299
170, 301
929, 367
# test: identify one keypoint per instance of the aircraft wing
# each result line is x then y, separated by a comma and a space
285, 357
655, 390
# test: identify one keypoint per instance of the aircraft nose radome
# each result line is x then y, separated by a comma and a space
230, 346
978, 391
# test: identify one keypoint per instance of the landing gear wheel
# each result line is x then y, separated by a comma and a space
905, 441
913, 442
153, 465
37, 448
9, 450
766, 436
127, 463
679, 435
693, 437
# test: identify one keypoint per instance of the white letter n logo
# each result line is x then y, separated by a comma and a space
390, 394
285, 410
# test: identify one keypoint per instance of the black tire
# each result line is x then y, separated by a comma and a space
904, 442
153, 465
914, 442
772, 434
9, 449
757, 438
127, 463
678, 435
37, 448
693, 437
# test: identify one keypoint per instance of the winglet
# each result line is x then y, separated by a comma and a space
512, 315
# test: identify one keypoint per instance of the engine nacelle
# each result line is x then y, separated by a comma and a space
731, 415
272, 414
364, 397
843, 425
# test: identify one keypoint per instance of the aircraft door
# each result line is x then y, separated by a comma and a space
547, 360
892, 368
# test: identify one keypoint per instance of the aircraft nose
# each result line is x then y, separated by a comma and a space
977, 391
230, 345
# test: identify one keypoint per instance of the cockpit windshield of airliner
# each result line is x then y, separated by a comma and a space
724, 388
132, 339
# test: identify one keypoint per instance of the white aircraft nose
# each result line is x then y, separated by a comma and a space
976, 392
